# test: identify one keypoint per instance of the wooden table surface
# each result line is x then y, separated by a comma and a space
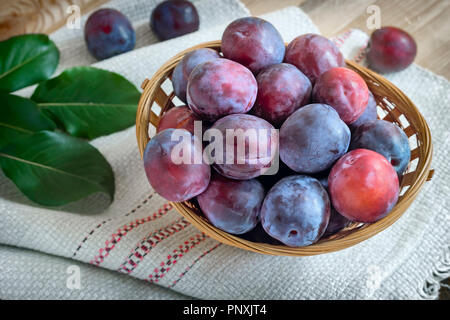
428, 21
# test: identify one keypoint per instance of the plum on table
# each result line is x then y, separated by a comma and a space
174, 18
390, 49
108, 33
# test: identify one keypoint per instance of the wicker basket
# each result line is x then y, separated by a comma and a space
393, 106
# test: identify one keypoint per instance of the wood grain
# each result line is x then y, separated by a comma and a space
38, 16
427, 21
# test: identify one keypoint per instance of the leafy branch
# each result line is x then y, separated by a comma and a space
42, 139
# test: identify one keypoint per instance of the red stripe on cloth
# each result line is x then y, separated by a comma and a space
361, 54
122, 232
149, 242
165, 266
339, 40
193, 263
108, 220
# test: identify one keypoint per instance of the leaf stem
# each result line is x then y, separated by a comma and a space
16, 128
81, 104
45, 167
22, 64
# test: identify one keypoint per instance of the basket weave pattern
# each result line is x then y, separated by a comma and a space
393, 106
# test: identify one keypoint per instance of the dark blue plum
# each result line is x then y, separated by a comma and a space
232, 205
296, 211
385, 138
313, 138
369, 114
108, 33
174, 18
184, 68
253, 42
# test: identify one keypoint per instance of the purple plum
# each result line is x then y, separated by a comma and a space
184, 68
221, 87
313, 54
172, 180
249, 146
296, 211
253, 42
313, 138
232, 205
385, 138
282, 89
108, 33
174, 18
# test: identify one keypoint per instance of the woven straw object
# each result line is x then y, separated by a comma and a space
393, 105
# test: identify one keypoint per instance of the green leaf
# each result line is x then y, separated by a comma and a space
26, 60
53, 169
19, 118
88, 102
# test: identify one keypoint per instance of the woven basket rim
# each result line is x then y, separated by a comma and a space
376, 82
